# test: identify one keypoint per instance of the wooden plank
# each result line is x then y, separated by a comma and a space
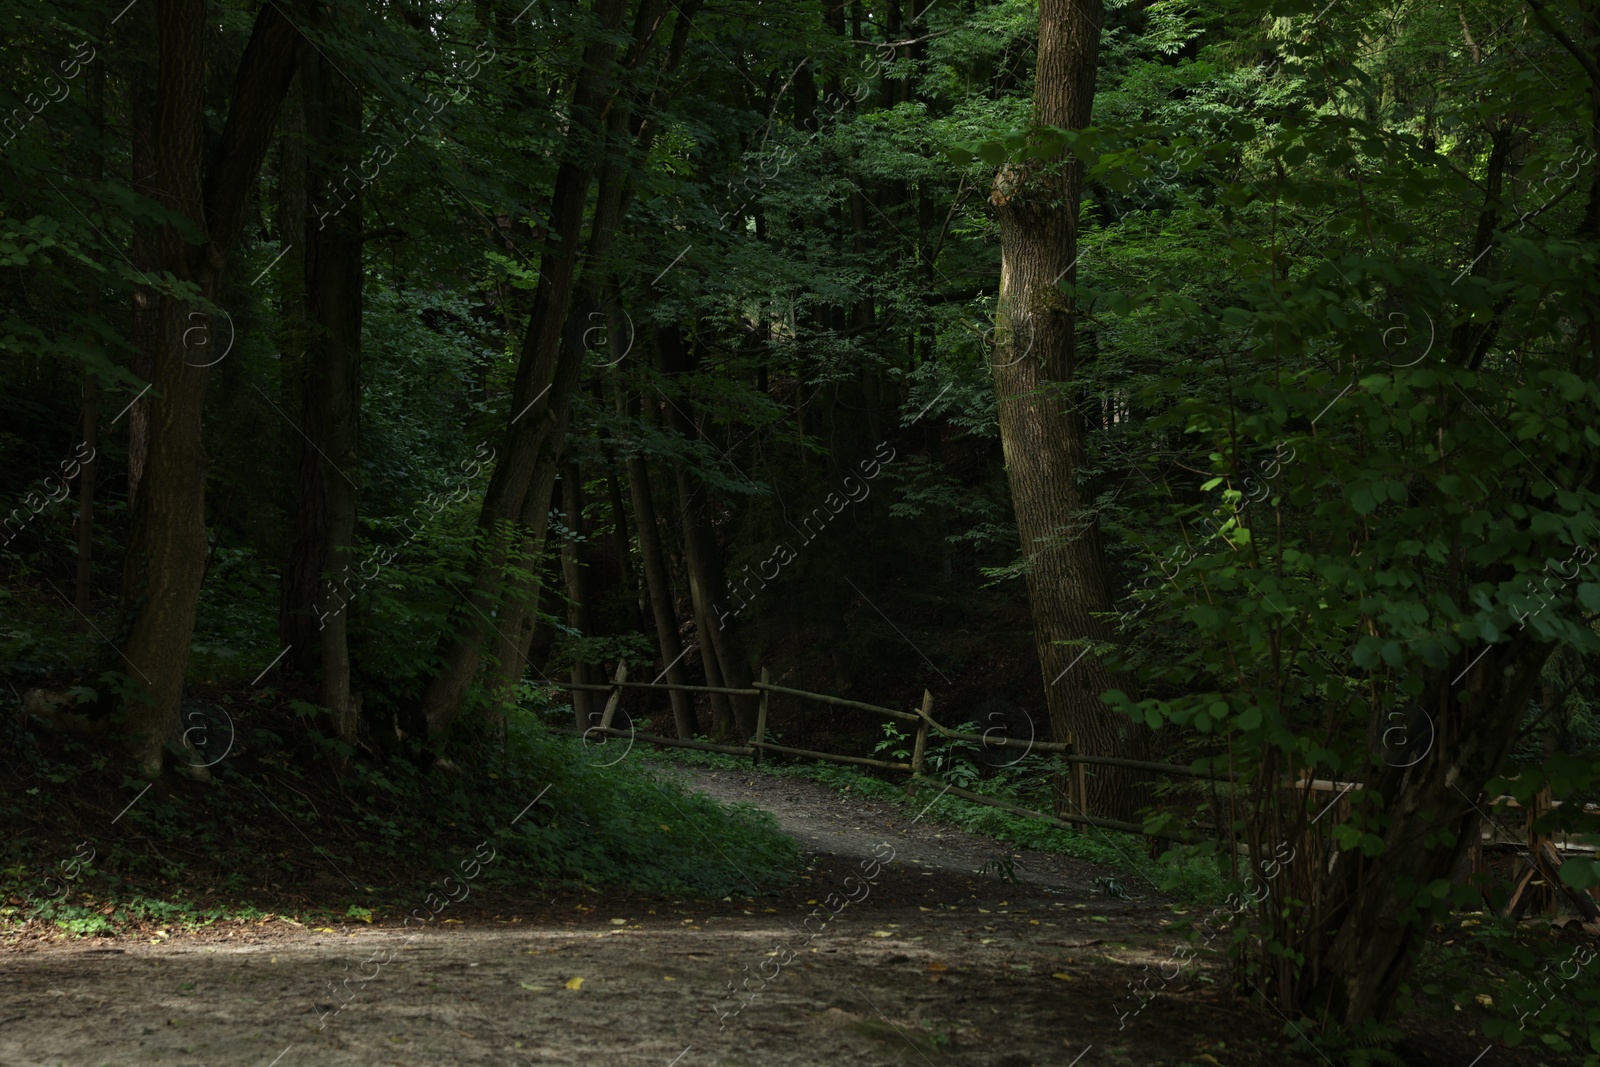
919, 747
672, 742
1516, 904
822, 698
1324, 785
1550, 866
1002, 742
598, 688
831, 758
761, 724
616, 696
1079, 788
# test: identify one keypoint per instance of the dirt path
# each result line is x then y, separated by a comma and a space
932, 962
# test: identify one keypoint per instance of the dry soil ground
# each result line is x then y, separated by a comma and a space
935, 962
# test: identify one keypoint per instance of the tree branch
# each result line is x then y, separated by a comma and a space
1585, 60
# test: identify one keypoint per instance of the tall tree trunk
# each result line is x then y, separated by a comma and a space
167, 541
517, 618
1042, 435
623, 541
143, 249
91, 386
703, 590
575, 571
658, 581
329, 390
299, 583
517, 624
548, 370
91, 438
1362, 947
721, 647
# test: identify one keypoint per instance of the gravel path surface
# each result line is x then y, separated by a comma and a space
926, 960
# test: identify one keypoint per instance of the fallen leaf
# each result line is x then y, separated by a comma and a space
1485, 999
881, 933
574, 983
937, 966
1063, 977
618, 922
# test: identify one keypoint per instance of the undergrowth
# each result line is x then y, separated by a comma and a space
292, 825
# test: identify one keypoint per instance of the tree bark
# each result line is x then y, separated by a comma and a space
622, 541
1040, 430
517, 624
547, 372
167, 540
329, 393
575, 571
516, 621
721, 647
298, 583
143, 248
659, 583
91, 438
702, 591
91, 389
1365, 943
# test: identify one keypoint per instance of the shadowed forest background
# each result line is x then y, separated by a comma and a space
1198, 384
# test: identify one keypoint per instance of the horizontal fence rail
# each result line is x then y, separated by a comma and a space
839, 702
915, 769
923, 717
1542, 853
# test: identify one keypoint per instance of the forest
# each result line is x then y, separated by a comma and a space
556, 487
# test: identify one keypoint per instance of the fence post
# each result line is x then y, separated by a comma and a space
921, 744
615, 698
1079, 787
761, 723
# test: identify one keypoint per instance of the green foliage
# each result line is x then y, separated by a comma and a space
623, 825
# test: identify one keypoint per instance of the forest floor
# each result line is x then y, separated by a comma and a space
938, 961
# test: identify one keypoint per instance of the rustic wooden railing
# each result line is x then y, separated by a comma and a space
1076, 817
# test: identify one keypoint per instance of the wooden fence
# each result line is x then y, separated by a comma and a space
916, 769
1539, 855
